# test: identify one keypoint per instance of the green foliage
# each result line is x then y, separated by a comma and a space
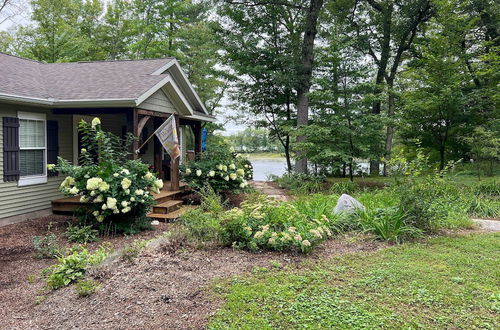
46, 246
132, 251
300, 183
85, 288
340, 188
388, 224
72, 267
115, 189
220, 169
252, 140
81, 234
430, 285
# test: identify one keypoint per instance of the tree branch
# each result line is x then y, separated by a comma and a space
257, 3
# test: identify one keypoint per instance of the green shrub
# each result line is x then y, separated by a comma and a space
220, 169
433, 203
264, 223
46, 246
204, 222
301, 183
85, 288
484, 206
81, 234
487, 189
347, 187
132, 251
73, 266
114, 188
388, 224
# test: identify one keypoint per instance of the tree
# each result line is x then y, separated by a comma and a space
484, 144
262, 45
386, 30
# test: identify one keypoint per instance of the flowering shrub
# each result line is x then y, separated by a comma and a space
113, 187
223, 171
265, 223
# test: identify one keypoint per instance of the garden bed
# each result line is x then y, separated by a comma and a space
162, 288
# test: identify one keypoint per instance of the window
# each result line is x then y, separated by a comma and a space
33, 148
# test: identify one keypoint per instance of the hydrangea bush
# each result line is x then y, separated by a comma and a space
265, 223
114, 187
222, 170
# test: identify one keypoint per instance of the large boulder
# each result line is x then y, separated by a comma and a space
347, 204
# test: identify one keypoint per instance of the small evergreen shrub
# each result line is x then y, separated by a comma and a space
81, 234
46, 246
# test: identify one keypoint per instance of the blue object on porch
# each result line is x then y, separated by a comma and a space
204, 140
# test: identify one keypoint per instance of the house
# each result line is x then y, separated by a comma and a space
41, 105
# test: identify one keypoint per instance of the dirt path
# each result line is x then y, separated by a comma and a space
270, 189
488, 225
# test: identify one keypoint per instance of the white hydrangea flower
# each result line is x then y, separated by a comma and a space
116, 175
100, 218
95, 213
74, 191
226, 178
111, 202
240, 172
68, 181
132, 199
103, 186
198, 172
232, 166
158, 183
126, 183
93, 183
125, 171
148, 176
233, 176
84, 199
116, 211
92, 193
125, 210
124, 203
96, 121
224, 168
127, 191
99, 199
188, 171
104, 207
50, 167
211, 173
139, 192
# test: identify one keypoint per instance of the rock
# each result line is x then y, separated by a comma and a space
347, 204
155, 222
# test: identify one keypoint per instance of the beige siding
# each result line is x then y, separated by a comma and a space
16, 200
158, 102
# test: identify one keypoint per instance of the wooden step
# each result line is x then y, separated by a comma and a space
165, 195
67, 204
167, 207
172, 215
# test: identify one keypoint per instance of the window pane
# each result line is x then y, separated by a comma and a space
31, 162
31, 133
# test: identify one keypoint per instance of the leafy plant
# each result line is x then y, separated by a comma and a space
85, 288
344, 188
113, 188
72, 267
300, 182
46, 246
81, 234
221, 170
388, 224
132, 251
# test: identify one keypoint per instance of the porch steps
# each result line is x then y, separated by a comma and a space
165, 195
171, 216
167, 207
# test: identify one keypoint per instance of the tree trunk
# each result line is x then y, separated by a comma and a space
304, 75
390, 128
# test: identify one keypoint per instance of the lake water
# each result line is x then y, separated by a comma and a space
262, 167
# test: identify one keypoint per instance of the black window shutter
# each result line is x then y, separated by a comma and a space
52, 144
10, 149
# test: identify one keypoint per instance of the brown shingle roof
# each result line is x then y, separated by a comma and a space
103, 80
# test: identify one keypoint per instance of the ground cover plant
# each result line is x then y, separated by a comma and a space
438, 283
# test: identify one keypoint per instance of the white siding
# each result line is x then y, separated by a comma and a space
159, 101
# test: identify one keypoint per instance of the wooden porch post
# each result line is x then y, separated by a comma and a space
174, 174
197, 130
157, 149
135, 144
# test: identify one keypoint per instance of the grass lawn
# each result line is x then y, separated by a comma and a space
444, 282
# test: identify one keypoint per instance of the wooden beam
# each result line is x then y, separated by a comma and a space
89, 111
175, 177
153, 113
141, 124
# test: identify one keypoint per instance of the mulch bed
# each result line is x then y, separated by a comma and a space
163, 288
